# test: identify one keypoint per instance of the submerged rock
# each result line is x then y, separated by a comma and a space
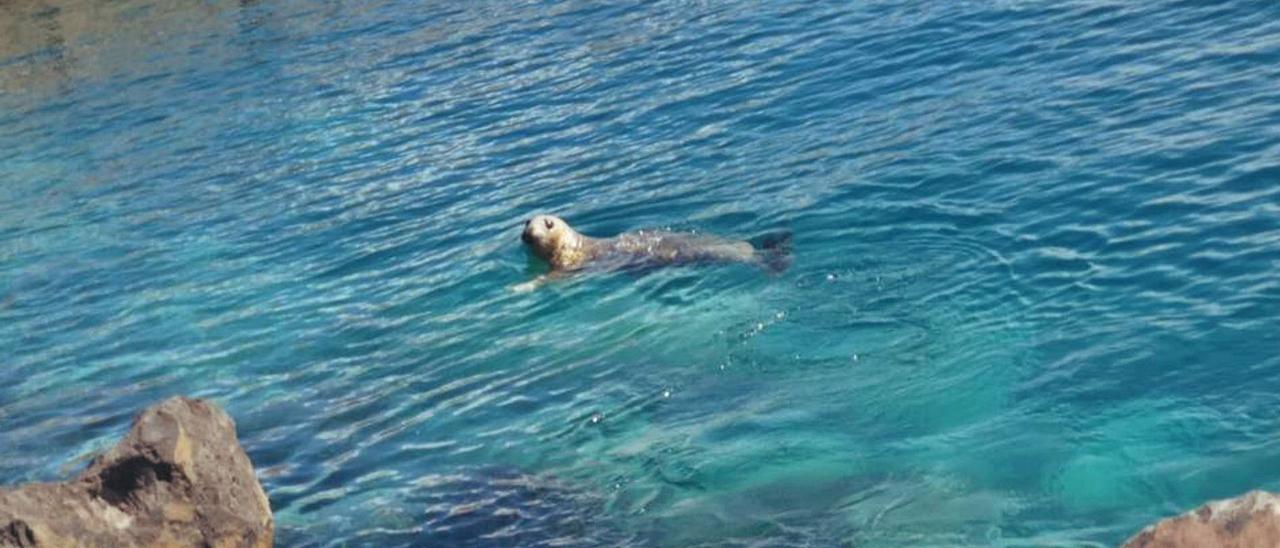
1252, 519
179, 478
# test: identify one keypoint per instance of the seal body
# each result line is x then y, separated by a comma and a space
655, 247
566, 250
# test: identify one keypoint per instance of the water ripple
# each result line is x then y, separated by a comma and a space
1032, 302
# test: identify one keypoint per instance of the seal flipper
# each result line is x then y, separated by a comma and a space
775, 251
541, 280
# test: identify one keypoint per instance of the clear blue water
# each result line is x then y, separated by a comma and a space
1035, 296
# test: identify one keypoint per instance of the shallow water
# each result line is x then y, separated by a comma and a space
1034, 297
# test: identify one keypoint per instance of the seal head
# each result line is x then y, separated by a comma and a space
554, 241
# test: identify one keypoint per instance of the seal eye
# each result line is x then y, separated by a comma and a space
550, 224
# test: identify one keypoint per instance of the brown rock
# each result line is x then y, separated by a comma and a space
179, 478
1252, 519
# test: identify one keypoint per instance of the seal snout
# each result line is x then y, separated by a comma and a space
528, 235
539, 228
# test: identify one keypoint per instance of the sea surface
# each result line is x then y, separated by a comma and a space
1035, 297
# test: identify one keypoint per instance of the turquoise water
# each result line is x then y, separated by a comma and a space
1034, 299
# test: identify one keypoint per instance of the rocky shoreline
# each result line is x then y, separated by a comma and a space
1246, 521
178, 478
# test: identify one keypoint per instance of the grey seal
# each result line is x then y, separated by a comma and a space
568, 251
